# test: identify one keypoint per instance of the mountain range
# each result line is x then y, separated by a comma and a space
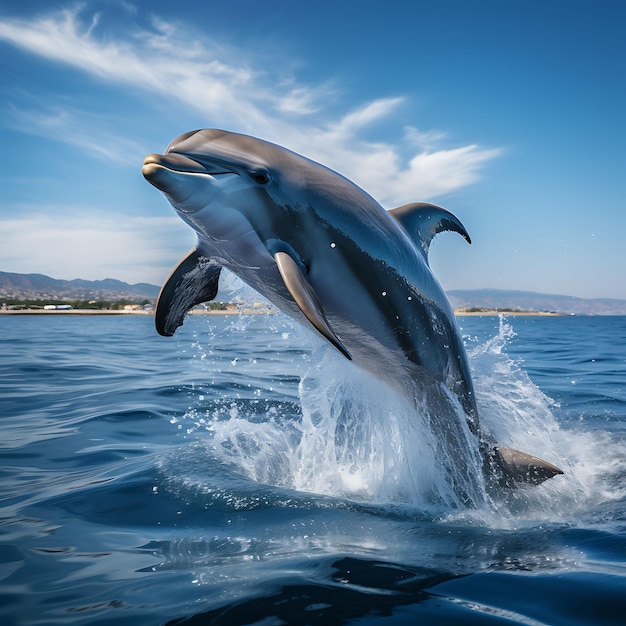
41, 287
501, 299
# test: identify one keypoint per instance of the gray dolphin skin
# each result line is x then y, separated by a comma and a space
326, 253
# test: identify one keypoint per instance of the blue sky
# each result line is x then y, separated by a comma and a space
508, 113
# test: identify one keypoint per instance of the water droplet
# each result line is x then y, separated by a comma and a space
410, 298
333, 244
384, 293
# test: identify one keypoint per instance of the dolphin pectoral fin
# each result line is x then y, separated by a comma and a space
513, 467
422, 221
305, 297
193, 281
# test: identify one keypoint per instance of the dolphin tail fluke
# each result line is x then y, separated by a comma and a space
512, 467
193, 281
304, 295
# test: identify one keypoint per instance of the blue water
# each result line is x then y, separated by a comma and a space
243, 473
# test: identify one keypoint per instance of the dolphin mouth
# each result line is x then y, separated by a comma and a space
174, 175
171, 173
179, 163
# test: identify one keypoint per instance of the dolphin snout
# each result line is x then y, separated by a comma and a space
187, 191
152, 158
151, 168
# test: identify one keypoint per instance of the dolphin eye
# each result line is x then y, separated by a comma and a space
260, 177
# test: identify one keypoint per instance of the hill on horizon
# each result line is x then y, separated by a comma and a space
41, 287
534, 301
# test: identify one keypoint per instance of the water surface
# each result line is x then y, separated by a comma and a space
242, 473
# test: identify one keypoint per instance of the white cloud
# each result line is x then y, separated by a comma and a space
219, 82
369, 113
88, 244
424, 140
302, 101
443, 170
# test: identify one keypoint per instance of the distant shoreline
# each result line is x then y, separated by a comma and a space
492, 312
131, 312
72, 312
255, 311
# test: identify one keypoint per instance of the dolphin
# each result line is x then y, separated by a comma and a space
327, 254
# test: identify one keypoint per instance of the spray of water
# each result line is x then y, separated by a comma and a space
363, 441
519, 415
352, 438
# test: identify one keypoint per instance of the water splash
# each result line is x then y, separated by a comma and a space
363, 441
519, 415
348, 436
511, 407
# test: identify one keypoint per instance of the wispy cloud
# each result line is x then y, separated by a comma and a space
95, 134
223, 84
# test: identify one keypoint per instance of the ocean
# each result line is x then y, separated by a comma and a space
242, 472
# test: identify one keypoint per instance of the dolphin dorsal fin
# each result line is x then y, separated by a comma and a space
304, 295
193, 281
422, 221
